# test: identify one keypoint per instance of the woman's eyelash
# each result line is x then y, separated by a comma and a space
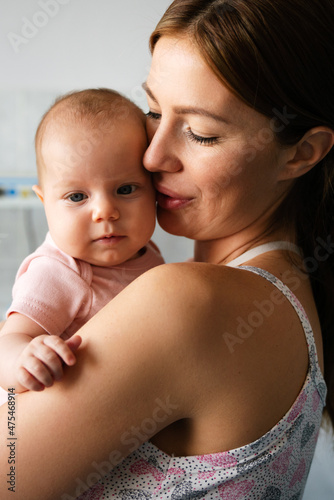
154, 116
201, 140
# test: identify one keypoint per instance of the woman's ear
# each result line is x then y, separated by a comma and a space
309, 151
38, 190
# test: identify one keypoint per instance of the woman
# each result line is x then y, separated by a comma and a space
199, 373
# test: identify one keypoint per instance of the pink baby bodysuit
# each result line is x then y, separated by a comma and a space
61, 293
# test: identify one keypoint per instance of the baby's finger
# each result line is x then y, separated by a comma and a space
28, 381
49, 357
38, 370
74, 342
61, 348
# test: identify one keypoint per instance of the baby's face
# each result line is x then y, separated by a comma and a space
99, 200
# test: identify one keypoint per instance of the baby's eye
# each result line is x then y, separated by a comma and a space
128, 189
77, 197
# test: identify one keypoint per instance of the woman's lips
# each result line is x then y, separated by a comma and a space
170, 200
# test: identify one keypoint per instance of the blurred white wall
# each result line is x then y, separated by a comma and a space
65, 44
52, 46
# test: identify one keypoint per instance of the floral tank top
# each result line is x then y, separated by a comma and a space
274, 467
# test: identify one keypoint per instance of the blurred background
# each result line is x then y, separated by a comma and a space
49, 47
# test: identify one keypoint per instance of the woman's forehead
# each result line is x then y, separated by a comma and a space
180, 78
178, 70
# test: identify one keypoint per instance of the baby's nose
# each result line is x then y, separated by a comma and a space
105, 209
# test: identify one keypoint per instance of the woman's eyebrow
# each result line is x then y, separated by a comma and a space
200, 111
188, 110
149, 92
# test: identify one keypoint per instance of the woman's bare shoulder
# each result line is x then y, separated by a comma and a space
228, 308
191, 304
184, 291
185, 280
188, 284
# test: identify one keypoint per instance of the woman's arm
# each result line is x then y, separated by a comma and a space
128, 369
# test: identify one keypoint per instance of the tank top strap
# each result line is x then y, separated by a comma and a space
314, 367
261, 249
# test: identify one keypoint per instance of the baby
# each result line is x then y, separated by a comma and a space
100, 207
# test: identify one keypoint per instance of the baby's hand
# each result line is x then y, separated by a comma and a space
41, 362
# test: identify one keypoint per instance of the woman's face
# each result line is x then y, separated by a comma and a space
217, 166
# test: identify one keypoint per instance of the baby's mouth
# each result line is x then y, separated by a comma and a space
110, 238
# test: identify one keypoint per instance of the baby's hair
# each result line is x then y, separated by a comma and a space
98, 108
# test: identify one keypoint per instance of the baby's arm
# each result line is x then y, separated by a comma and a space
31, 359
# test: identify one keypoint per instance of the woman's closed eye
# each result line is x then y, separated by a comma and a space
200, 139
153, 116
77, 197
207, 141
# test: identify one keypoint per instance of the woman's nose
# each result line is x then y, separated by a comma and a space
105, 209
161, 153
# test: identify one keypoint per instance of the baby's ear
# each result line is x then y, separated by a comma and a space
308, 152
38, 190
